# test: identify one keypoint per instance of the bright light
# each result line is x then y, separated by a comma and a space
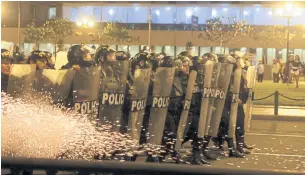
246, 13
196, 8
157, 12
79, 23
85, 20
257, 9
136, 8
225, 9
270, 13
188, 13
111, 12
214, 12
168, 8
297, 12
91, 24
279, 11
288, 7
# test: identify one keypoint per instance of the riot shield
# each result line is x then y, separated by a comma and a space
85, 90
186, 107
55, 83
210, 77
112, 91
220, 95
250, 77
234, 104
138, 99
163, 81
21, 79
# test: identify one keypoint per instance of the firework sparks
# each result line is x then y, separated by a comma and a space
31, 127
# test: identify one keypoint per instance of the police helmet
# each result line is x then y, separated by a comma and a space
197, 62
167, 61
37, 55
48, 55
183, 53
102, 52
140, 60
6, 56
79, 54
121, 55
210, 57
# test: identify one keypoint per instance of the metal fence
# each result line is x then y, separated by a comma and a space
276, 95
121, 168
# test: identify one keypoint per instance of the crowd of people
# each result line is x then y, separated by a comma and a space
79, 56
287, 72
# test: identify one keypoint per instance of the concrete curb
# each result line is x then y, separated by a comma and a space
279, 118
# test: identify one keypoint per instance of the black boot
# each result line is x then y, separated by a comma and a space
198, 158
249, 147
204, 143
232, 150
152, 158
243, 150
240, 145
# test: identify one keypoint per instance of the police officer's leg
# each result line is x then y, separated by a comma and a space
151, 157
240, 130
197, 144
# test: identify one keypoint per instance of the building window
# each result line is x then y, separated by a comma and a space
52, 12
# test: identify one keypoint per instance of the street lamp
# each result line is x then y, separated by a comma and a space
85, 23
288, 12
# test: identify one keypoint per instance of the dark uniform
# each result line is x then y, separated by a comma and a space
78, 57
224, 123
194, 114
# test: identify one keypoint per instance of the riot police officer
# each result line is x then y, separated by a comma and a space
197, 154
79, 57
50, 63
40, 58
240, 123
225, 119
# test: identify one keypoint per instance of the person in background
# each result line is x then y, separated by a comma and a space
295, 69
282, 69
260, 71
275, 71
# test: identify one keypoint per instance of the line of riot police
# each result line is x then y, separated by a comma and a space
154, 98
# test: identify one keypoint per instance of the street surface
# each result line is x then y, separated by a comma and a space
280, 146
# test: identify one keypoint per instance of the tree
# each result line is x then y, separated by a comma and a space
112, 32
216, 31
33, 34
55, 30
272, 33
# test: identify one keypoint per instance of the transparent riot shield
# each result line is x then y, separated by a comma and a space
234, 104
210, 77
112, 91
220, 95
85, 90
138, 102
54, 83
162, 87
186, 107
21, 79
250, 77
